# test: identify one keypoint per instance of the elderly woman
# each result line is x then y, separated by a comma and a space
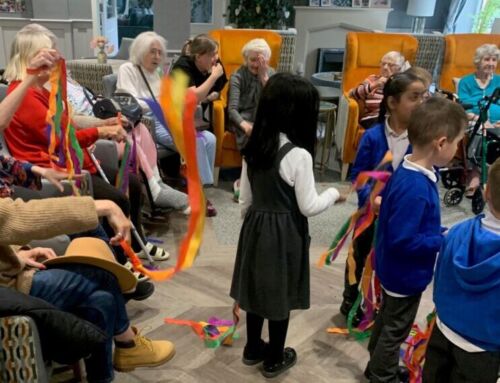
26, 134
472, 88
370, 92
245, 87
141, 77
483, 82
90, 292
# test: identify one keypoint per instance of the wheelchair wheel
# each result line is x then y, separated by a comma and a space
450, 179
453, 197
478, 201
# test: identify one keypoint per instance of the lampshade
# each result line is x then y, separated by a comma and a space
421, 8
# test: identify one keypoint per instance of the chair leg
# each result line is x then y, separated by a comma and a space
216, 176
345, 169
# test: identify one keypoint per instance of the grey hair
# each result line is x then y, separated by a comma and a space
141, 45
486, 50
400, 59
257, 45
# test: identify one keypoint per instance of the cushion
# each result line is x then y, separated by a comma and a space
65, 338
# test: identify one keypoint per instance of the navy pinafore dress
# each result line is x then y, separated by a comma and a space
271, 272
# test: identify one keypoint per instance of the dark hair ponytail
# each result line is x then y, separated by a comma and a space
288, 104
395, 86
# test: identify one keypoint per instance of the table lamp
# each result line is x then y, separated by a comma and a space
420, 9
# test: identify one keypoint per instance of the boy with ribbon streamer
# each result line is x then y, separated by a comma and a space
409, 232
465, 341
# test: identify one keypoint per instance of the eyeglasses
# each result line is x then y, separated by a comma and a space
390, 65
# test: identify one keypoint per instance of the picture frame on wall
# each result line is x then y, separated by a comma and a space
380, 4
314, 3
360, 3
326, 3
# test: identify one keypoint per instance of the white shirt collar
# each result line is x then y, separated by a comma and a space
490, 222
407, 164
389, 132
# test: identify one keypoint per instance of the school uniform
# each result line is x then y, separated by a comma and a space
408, 239
465, 342
373, 146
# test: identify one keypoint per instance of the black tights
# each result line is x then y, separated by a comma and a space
277, 336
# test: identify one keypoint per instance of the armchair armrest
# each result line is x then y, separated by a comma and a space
19, 337
218, 122
352, 131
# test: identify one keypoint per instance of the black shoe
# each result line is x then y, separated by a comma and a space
143, 291
345, 307
403, 374
251, 358
275, 369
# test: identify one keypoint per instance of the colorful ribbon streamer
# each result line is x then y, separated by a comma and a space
178, 105
215, 332
417, 346
60, 130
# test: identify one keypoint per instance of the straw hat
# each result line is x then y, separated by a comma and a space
95, 252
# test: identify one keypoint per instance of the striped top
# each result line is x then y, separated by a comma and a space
370, 94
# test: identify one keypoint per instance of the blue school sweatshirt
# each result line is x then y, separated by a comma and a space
371, 150
467, 283
409, 232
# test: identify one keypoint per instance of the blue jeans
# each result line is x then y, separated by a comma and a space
205, 149
94, 295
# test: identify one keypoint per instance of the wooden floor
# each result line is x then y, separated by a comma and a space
202, 292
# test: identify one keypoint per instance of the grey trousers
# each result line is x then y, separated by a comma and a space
447, 363
392, 326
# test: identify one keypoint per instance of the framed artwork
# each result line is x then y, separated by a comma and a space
360, 3
314, 3
12, 6
380, 4
342, 3
326, 3
201, 11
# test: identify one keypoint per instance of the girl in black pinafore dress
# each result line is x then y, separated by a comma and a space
271, 273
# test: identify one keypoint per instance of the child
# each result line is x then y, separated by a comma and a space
465, 342
409, 230
403, 92
271, 273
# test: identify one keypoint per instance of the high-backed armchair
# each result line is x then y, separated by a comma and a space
459, 53
231, 41
362, 58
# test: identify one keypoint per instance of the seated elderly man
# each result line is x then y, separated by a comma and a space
370, 92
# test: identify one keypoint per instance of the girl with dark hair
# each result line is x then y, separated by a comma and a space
271, 273
403, 92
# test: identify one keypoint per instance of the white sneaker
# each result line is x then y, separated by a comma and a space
139, 276
157, 253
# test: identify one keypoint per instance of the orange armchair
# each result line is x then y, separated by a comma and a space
362, 58
231, 41
459, 55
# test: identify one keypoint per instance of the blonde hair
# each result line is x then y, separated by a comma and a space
422, 73
141, 45
27, 43
494, 184
199, 45
486, 50
256, 45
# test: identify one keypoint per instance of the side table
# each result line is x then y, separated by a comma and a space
330, 109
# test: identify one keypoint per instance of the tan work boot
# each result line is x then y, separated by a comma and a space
145, 353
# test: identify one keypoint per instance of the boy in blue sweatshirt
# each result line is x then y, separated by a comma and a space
465, 342
409, 231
